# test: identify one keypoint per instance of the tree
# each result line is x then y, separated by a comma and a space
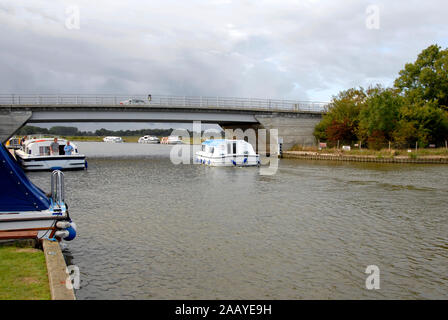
427, 78
341, 120
380, 115
30, 130
422, 122
64, 131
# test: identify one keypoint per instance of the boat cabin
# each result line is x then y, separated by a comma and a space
41, 147
223, 152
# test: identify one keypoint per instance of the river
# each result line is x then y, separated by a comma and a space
149, 229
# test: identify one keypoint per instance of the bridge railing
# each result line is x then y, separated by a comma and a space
166, 101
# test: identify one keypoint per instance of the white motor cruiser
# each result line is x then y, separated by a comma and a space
35, 155
148, 139
227, 153
113, 139
174, 140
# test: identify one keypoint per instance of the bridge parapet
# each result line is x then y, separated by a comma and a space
272, 105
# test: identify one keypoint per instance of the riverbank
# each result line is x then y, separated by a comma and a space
29, 273
424, 157
23, 272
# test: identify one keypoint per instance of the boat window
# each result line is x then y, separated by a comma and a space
212, 149
44, 150
234, 148
229, 148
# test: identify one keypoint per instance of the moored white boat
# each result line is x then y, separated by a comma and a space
227, 153
35, 155
24, 208
113, 139
174, 140
148, 139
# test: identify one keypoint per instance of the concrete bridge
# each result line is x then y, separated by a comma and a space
295, 120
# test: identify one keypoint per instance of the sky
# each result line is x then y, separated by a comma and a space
279, 49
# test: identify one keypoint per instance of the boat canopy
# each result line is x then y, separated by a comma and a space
17, 192
214, 143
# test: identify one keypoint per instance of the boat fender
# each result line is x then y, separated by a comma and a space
62, 224
71, 232
61, 234
208, 161
245, 160
86, 165
234, 162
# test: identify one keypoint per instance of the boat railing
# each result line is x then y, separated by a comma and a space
57, 188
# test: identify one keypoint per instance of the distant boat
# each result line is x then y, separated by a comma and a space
35, 155
148, 139
113, 139
174, 140
227, 153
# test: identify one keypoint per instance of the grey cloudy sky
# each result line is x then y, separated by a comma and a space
304, 50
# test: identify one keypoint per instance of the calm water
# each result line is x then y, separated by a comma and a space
148, 229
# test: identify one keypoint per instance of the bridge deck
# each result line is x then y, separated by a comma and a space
165, 102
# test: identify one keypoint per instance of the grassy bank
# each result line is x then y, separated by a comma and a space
23, 273
384, 153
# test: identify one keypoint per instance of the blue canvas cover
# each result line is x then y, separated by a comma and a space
17, 192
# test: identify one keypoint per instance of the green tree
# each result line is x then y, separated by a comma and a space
30, 130
341, 120
379, 116
64, 131
427, 78
422, 122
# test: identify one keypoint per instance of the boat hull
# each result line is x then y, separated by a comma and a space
44, 163
229, 161
42, 222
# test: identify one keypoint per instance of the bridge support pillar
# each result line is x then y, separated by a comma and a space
11, 121
292, 128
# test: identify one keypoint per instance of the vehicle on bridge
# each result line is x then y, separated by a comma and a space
35, 155
149, 139
133, 102
113, 139
227, 153
25, 210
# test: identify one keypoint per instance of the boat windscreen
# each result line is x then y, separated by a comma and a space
17, 192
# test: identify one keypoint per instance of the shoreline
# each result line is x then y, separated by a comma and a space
309, 155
